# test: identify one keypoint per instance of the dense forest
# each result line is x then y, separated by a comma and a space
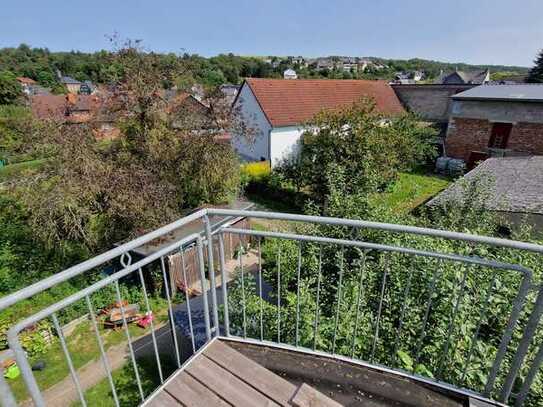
42, 65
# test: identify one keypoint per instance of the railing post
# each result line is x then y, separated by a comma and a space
211, 270
223, 285
203, 284
25, 368
6, 396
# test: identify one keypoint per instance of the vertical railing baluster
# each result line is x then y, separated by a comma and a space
211, 270
298, 270
103, 354
279, 296
431, 288
451, 325
516, 309
201, 265
530, 377
244, 310
358, 301
170, 312
64, 347
340, 283
187, 298
402, 315
260, 290
523, 346
379, 309
129, 339
317, 300
224, 287
151, 316
482, 314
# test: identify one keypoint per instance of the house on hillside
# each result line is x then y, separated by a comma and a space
275, 111
27, 84
513, 189
229, 91
72, 85
75, 110
495, 120
465, 78
186, 111
290, 74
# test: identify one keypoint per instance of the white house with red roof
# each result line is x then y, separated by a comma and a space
275, 111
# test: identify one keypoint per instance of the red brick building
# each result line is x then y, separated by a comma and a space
496, 120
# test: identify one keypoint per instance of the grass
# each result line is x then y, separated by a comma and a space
83, 349
410, 191
18, 169
125, 383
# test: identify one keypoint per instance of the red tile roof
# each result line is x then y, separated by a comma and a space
28, 81
48, 106
290, 102
55, 107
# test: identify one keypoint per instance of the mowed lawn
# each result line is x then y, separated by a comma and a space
410, 191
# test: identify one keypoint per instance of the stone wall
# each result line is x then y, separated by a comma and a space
431, 102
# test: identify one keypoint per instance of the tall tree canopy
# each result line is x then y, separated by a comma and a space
536, 73
10, 89
98, 192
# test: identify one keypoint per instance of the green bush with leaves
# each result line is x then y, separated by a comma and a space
367, 146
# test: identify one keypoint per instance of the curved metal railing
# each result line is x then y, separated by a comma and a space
360, 300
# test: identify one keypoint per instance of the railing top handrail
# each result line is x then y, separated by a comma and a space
80, 268
389, 227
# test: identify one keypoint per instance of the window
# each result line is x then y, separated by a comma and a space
500, 135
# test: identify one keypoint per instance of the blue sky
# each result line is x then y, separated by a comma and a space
473, 31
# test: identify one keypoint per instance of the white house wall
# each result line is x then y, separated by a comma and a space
254, 119
284, 143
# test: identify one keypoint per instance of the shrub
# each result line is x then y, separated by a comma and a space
255, 171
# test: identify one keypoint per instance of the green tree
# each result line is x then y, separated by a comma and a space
10, 88
536, 73
366, 146
98, 193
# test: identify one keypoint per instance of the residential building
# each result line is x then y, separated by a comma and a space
276, 110
513, 188
463, 78
432, 101
230, 91
75, 109
496, 120
27, 84
290, 74
186, 111
72, 85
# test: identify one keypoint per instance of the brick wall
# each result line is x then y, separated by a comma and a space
527, 138
467, 135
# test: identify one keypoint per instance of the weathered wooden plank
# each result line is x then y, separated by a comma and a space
192, 393
265, 381
307, 396
163, 399
226, 385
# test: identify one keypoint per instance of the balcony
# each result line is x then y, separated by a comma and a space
298, 316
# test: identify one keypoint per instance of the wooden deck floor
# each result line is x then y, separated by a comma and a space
221, 376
